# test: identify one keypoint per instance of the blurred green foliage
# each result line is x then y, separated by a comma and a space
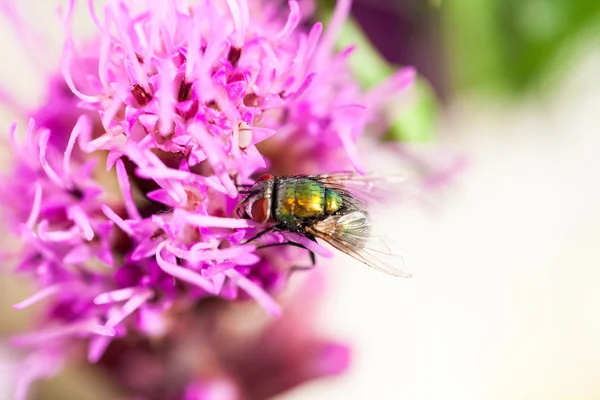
415, 122
510, 46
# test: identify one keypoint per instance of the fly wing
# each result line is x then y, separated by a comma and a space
351, 234
373, 186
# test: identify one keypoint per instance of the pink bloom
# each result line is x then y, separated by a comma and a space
183, 104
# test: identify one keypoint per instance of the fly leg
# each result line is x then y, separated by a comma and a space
242, 186
260, 234
243, 189
313, 262
313, 259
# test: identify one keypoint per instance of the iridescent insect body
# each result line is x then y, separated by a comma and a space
327, 207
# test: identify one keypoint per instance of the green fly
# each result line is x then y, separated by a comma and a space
330, 207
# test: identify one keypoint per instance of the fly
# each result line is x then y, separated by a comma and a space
330, 207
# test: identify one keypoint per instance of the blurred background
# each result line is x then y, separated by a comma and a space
504, 302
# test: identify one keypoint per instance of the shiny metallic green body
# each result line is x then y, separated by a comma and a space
298, 201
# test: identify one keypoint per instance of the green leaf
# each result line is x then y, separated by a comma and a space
415, 122
510, 46
418, 121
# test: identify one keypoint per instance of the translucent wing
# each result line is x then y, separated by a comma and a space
374, 186
351, 234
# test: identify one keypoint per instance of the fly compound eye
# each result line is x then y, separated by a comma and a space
259, 211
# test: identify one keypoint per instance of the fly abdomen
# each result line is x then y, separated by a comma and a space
333, 201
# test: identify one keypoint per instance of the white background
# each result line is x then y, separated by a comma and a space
505, 301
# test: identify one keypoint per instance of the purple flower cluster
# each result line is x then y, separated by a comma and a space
128, 214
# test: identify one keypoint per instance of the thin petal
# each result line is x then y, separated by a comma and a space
35, 209
126, 191
110, 214
42, 294
83, 125
184, 274
219, 222
115, 295
135, 302
165, 98
255, 291
97, 347
44, 136
77, 214
291, 23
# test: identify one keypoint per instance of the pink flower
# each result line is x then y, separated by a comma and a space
182, 104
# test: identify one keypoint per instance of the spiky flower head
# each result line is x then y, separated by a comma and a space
178, 105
